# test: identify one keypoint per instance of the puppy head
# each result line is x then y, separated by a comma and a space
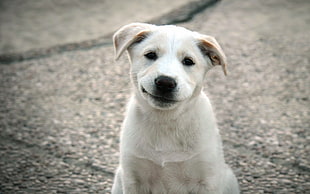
168, 63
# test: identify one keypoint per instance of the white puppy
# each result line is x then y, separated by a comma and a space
170, 142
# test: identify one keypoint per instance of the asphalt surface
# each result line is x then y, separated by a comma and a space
60, 115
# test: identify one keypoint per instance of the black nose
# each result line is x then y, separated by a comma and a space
165, 83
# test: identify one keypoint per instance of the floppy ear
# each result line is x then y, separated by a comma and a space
210, 47
128, 35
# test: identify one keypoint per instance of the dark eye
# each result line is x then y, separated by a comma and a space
151, 55
188, 61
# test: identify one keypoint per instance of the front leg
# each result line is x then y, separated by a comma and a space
132, 184
117, 185
142, 176
124, 183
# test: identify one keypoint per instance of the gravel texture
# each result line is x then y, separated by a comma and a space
60, 116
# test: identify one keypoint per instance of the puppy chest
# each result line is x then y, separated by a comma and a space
172, 177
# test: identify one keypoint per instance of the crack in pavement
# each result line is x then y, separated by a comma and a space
182, 14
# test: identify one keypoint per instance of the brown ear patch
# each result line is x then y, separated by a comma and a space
128, 35
140, 37
206, 43
214, 52
214, 58
121, 43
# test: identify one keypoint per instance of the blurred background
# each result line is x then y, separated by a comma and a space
39, 24
63, 97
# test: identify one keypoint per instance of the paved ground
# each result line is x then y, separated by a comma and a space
60, 115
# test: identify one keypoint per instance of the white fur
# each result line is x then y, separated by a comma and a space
170, 148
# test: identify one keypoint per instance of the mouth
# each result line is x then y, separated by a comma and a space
159, 98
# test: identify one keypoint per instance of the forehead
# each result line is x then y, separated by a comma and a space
170, 37
171, 30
